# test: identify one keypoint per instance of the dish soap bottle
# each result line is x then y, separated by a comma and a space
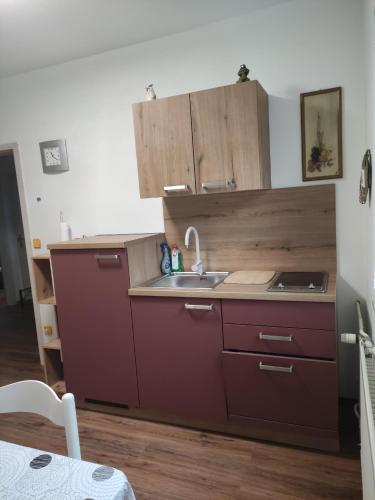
165, 265
176, 258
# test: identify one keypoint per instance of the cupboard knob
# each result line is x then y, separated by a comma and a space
107, 256
282, 338
201, 307
223, 184
176, 189
272, 368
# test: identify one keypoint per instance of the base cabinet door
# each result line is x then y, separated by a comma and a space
95, 324
283, 389
178, 352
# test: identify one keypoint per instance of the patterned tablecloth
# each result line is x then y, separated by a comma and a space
28, 474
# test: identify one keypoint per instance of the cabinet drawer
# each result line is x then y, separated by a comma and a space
282, 389
313, 315
280, 340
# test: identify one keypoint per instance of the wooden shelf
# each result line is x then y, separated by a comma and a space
43, 279
59, 387
54, 344
42, 256
49, 301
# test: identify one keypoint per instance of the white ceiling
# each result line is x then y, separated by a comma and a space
38, 33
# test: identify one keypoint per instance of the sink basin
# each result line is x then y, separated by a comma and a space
206, 281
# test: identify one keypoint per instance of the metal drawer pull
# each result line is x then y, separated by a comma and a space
226, 184
271, 368
176, 189
202, 307
283, 338
107, 256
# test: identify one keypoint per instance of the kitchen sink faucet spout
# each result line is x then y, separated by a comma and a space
197, 266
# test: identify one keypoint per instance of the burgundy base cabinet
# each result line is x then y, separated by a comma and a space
178, 345
95, 324
279, 363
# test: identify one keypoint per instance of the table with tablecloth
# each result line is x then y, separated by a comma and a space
26, 473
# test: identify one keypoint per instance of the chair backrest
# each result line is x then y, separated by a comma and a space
33, 396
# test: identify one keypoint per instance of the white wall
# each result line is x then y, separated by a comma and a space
292, 48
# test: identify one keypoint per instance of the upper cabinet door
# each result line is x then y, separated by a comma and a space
231, 138
164, 146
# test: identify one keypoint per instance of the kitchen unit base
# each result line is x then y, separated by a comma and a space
264, 430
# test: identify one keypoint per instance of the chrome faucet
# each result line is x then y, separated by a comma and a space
197, 266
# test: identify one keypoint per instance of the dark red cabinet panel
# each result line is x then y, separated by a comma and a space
280, 340
304, 394
178, 354
313, 315
95, 324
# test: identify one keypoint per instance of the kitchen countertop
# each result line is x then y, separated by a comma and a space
244, 292
102, 241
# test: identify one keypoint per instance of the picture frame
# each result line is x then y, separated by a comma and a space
321, 134
54, 156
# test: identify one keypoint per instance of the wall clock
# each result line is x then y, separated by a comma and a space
54, 156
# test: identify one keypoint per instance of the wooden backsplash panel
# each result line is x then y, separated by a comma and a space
276, 229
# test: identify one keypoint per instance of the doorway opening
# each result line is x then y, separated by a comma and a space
18, 332
15, 286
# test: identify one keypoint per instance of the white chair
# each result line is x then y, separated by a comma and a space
36, 397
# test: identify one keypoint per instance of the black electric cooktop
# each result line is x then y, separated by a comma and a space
300, 282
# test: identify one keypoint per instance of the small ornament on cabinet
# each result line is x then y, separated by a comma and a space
150, 92
242, 73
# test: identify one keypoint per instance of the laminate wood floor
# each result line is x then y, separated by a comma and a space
165, 462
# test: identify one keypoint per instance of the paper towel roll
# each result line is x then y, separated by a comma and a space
65, 233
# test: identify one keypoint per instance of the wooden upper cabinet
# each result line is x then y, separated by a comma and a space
164, 146
209, 141
231, 138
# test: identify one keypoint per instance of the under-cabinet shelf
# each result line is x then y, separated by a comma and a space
53, 366
53, 344
43, 279
59, 387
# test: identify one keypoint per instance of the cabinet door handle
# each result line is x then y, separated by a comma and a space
282, 338
201, 307
272, 368
105, 256
224, 184
176, 189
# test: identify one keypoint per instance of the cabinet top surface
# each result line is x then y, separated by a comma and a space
102, 241
244, 292
250, 83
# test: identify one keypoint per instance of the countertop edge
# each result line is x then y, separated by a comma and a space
241, 293
81, 244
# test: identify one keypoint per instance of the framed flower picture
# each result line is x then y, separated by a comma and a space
321, 134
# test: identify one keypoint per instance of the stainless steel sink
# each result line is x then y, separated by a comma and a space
206, 281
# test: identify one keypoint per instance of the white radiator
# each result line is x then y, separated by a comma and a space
367, 405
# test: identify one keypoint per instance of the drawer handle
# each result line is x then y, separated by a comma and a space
107, 256
177, 188
226, 184
282, 338
201, 307
271, 368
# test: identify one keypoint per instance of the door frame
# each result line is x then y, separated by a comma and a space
7, 149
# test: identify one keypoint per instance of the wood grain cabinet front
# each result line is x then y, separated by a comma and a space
210, 141
231, 138
164, 147
178, 344
94, 316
